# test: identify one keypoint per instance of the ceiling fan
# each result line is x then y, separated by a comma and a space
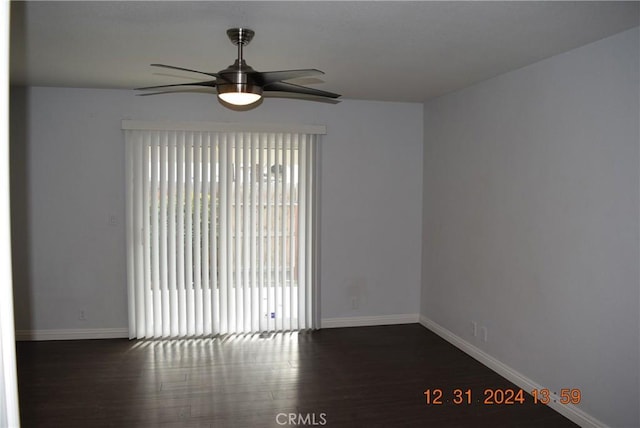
239, 84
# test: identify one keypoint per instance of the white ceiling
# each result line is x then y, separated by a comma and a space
394, 51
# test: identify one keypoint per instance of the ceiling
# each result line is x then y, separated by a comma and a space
391, 51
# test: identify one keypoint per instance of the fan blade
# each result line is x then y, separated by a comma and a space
195, 90
157, 93
184, 69
297, 89
303, 97
268, 77
211, 83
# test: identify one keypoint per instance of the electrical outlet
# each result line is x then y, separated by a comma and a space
475, 328
354, 303
485, 333
82, 316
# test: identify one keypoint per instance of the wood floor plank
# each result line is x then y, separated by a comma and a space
351, 377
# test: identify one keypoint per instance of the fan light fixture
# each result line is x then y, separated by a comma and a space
239, 98
239, 94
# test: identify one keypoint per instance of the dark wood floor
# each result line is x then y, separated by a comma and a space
351, 377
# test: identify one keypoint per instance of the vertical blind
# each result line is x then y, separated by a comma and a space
220, 230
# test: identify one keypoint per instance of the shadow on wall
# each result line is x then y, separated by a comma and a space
19, 188
19, 178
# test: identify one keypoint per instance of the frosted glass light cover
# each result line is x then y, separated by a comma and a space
239, 98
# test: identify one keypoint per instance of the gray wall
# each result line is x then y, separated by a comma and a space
531, 221
68, 179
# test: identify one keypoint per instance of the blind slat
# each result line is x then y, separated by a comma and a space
224, 219
284, 212
245, 235
293, 301
262, 322
206, 192
180, 238
188, 230
270, 239
162, 235
215, 296
197, 238
237, 243
172, 244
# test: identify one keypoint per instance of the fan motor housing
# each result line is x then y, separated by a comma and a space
239, 87
238, 72
239, 77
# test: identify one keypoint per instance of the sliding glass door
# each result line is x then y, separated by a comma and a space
221, 233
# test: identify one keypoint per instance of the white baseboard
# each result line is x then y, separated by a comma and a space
567, 410
369, 321
72, 334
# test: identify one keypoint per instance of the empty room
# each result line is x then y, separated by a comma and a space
343, 214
